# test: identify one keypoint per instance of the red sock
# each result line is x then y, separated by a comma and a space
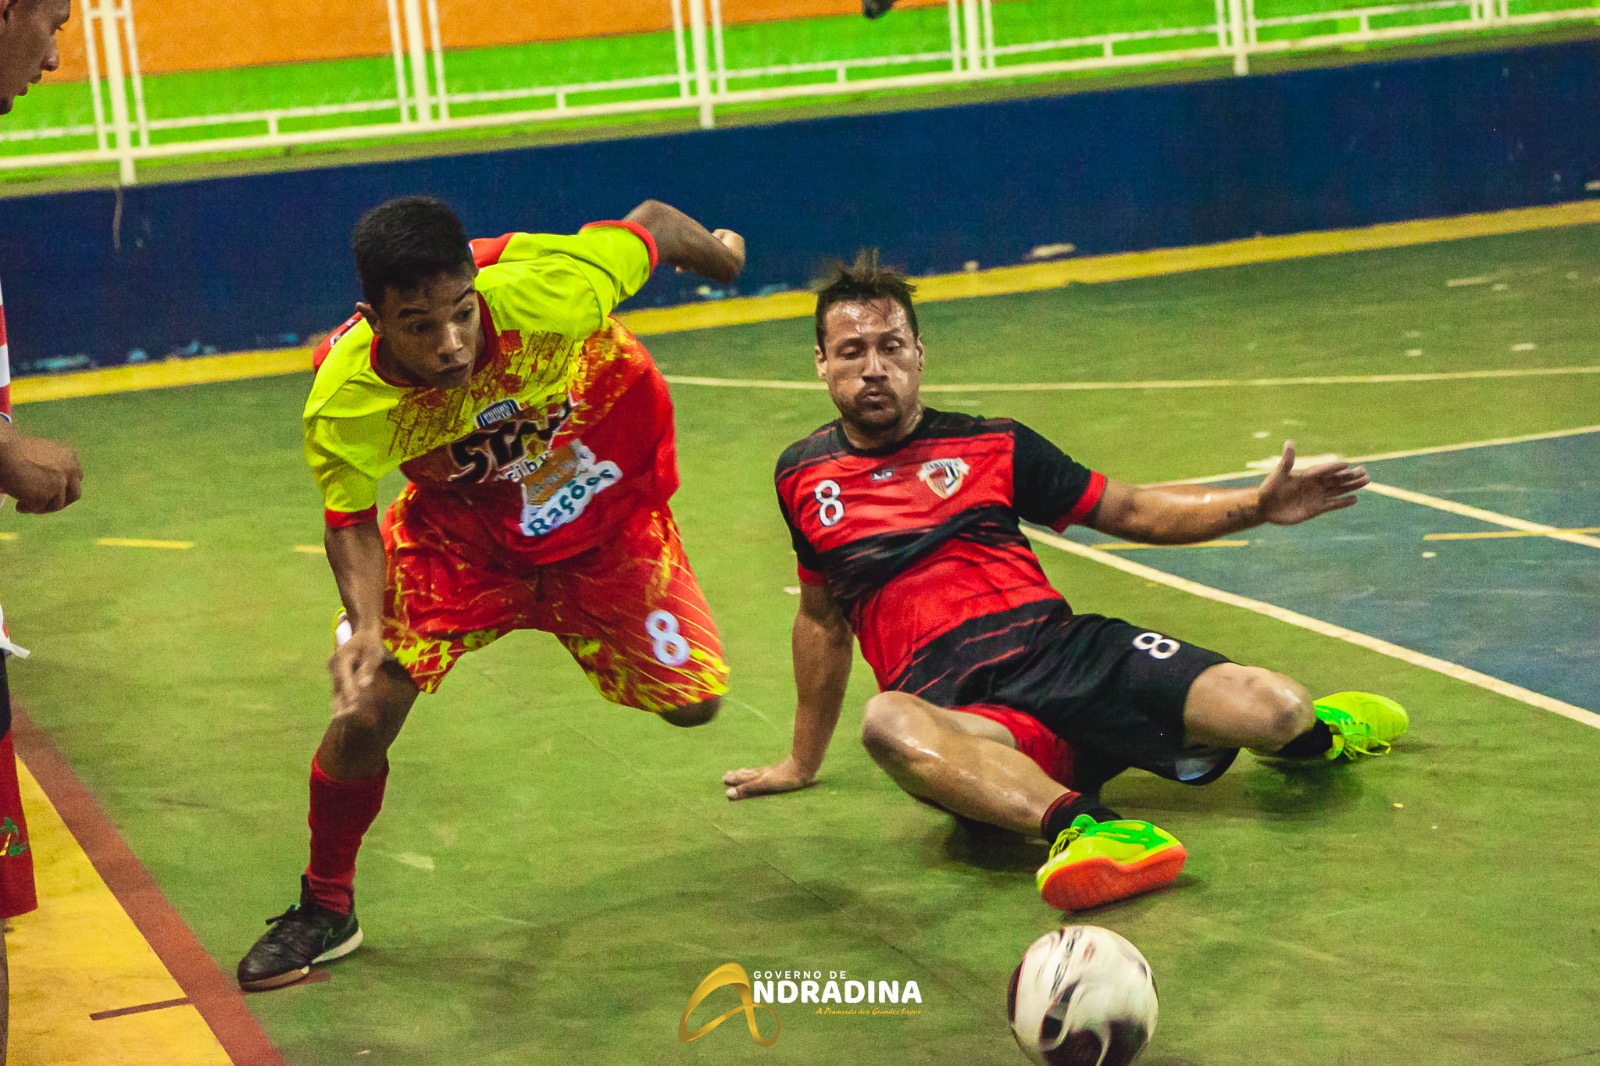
341, 811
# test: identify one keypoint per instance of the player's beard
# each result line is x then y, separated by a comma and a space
877, 415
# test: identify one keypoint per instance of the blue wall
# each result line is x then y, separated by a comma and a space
241, 263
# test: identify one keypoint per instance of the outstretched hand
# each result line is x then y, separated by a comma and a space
1289, 497
766, 781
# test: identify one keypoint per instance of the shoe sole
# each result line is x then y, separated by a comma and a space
1097, 881
289, 977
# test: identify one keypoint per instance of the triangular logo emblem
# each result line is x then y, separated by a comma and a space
944, 476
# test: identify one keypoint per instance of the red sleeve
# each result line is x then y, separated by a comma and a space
639, 232
809, 577
486, 251
1085, 504
346, 519
321, 354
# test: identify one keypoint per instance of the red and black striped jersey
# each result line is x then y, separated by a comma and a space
920, 542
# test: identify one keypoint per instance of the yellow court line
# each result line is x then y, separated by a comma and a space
1326, 629
999, 281
1201, 544
8, 536
128, 542
1494, 518
80, 954
310, 549
1504, 535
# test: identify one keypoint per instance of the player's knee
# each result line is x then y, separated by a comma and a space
694, 714
1277, 708
890, 727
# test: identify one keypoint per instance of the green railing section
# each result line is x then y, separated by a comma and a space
618, 79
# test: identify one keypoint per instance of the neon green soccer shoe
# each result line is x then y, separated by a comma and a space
1092, 862
1362, 724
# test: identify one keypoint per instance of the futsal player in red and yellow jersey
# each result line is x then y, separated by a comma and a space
537, 438
40, 475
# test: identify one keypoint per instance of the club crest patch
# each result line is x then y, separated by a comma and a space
944, 476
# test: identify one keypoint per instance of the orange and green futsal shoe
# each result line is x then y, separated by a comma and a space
1362, 724
1092, 862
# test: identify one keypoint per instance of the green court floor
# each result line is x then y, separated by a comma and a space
551, 876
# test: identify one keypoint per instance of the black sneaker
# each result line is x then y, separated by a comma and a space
875, 9
300, 937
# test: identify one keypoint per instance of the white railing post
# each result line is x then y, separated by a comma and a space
397, 46
416, 45
437, 40
680, 49
988, 33
1241, 43
702, 63
111, 41
141, 117
92, 53
954, 7
973, 17
719, 58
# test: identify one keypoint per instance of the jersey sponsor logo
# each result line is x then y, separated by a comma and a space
881, 475
560, 489
944, 476
501, 450
498, 412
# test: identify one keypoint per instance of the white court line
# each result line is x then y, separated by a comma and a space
1326, 629
1437, 449
1195, 383
1494, 518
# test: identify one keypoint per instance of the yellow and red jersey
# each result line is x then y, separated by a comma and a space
564, 422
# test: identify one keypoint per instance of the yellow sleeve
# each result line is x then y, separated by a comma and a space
346, 488
570, 284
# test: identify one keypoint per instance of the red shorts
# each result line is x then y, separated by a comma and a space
16, 857
1052, 754
628, 610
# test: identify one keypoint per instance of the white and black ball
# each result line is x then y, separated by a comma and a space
1082, 996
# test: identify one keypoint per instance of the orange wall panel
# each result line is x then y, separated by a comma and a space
183, 35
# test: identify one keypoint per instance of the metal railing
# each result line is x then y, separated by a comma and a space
703, 81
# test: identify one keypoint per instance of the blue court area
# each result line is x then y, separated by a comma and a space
1523, 608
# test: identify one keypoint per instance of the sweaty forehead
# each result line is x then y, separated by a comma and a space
856, 318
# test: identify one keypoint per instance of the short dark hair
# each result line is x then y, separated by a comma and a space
401, 244
862, 282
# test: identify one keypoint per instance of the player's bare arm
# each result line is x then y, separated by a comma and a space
41, 475
360, 568
1186, 514
821, 643
689, 246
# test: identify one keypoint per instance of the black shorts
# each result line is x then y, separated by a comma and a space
1115, 692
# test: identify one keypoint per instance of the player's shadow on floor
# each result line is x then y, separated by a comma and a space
1269, 788
989, 847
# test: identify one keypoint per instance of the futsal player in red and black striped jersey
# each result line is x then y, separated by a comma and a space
997, 701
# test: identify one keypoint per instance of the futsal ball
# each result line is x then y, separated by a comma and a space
1083, 996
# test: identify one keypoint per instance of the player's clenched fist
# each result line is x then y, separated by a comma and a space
43, 476
354, 666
